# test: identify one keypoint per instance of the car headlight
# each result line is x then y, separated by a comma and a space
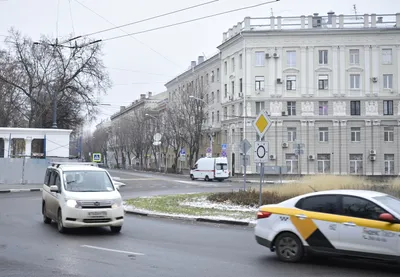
116, 203
73, 204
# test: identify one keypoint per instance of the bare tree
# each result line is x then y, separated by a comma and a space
47, 73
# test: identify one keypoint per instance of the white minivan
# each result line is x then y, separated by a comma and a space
80, 195
210, 169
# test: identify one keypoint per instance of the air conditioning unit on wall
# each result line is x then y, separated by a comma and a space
285, 145
311, 157
372, 158
272, 157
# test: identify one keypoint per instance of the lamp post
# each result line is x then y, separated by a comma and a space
158, 142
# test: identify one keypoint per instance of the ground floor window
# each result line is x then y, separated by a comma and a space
324, 163
356, 163
389, 164
292, 163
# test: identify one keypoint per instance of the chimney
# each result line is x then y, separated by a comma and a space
121, 108
193, 64
143, 96
330, 15
200, 59
150, 94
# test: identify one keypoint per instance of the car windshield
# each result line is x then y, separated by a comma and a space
390, 201
222, 166
87, 181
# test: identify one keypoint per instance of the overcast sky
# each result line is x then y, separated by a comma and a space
151, 59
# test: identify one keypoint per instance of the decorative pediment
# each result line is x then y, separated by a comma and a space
291, 70
354, 69
323, 69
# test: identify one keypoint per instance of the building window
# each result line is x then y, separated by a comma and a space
212, 117
207, 78
323, 134
217, 74
355, 107
292, 134
324, 163
292, 163
226, 68
354, 56
241, 85
389, 164
260, 83
260, 106
291, 58
241, 134
291, 108
233, 88
355, 81
212, 97
260, 58
218, 116
388, 81
323, 107
355, 134
387, 107
386, 56
240, 109
225, 113
388, 134
240, 61
322, 82
226, 90
212, 76
323, 56
233, 65
356, 163
233, 110
291, 82
218, 96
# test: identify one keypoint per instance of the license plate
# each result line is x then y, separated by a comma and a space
97, 214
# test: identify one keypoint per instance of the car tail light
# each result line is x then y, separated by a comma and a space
261, 214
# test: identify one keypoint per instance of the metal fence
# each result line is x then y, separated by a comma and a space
25, 170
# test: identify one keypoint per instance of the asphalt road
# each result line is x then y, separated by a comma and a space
146, 246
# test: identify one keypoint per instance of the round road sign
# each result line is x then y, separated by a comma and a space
261, 151
157, 137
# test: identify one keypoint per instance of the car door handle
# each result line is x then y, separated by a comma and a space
350, 224
301, 216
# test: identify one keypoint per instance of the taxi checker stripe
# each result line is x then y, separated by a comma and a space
310, 232
334, 218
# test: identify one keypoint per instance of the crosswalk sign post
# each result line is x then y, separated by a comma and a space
96, 157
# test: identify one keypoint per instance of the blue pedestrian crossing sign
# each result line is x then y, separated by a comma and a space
96, 157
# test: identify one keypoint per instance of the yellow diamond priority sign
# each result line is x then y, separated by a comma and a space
262, 123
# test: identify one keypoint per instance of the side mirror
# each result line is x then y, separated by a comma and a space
387, 217
117, 187
54, 189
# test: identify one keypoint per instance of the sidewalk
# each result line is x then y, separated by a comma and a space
7, 188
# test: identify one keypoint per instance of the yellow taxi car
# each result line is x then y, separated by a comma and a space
356, 223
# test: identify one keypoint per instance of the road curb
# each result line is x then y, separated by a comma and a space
197, 219
19, 190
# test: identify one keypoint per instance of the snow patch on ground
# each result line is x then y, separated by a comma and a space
129, 208
202, 202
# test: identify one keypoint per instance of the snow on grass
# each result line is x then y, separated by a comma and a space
189, 206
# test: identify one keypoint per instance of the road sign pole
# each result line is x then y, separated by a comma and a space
244, 165
261, 181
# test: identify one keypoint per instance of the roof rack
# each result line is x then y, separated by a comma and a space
57, 164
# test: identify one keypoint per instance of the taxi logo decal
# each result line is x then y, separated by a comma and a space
310, 232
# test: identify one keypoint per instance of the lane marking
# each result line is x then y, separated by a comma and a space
113, 250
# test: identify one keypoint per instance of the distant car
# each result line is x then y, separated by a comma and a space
357, 223
210, 169
80, 195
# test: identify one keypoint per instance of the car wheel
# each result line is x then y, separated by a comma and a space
207, 178
289, 248
46, 219
192, 177
115, 229
60, 224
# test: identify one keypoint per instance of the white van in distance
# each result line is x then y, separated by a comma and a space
210, 169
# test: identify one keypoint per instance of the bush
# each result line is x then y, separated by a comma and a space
278, 193
247, 198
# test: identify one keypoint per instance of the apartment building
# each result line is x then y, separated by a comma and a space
205, 75
329, 83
